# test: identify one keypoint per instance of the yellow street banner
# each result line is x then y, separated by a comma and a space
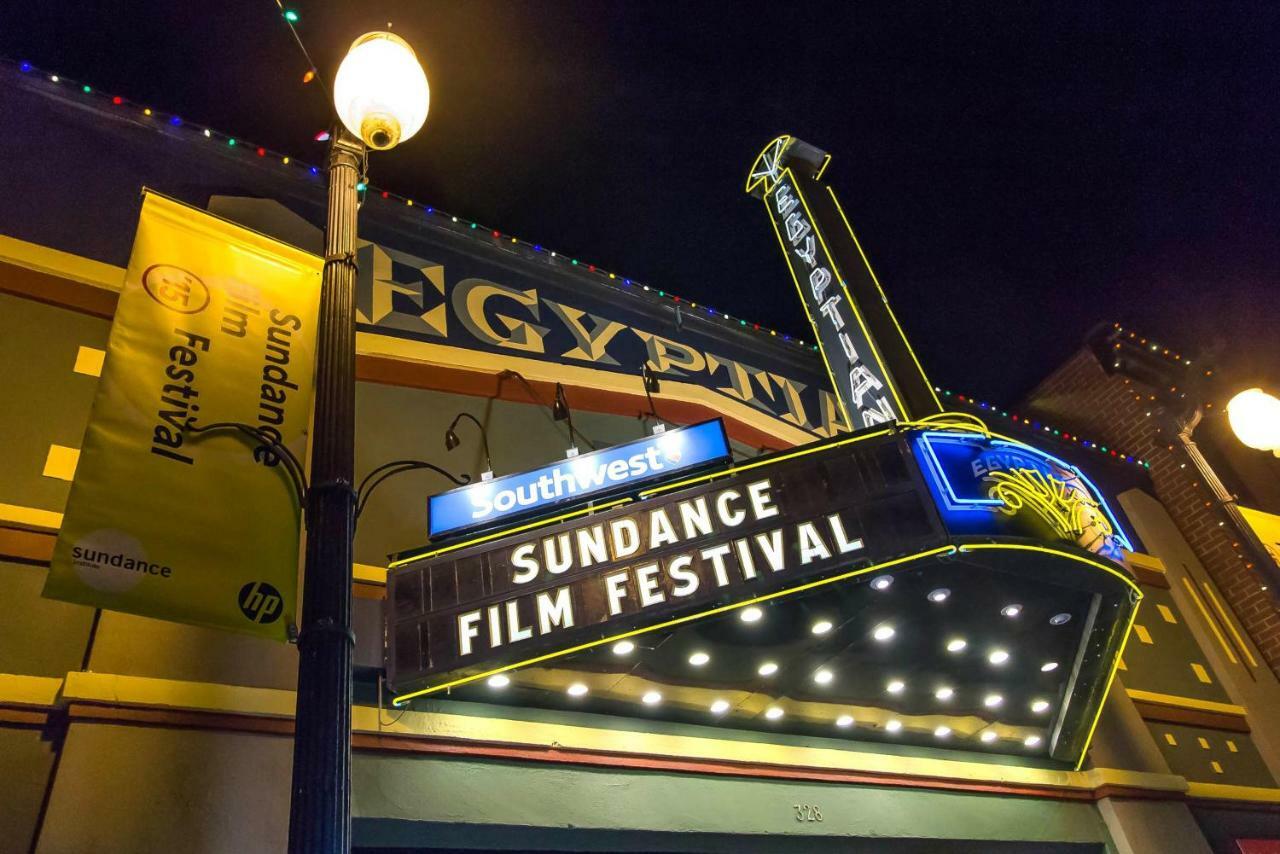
215, 323
1267, 527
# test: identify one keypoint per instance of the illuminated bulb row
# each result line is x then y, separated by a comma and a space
946, 692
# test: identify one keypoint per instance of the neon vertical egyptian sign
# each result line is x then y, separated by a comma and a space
876, 375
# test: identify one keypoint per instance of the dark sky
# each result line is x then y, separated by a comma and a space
1015, 177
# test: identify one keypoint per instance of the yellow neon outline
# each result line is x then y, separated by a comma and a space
1208, 591
537, 523
1115, 666
777, 594
1129, 582
790, 455
1055, 501
822, 351
885, 299
751, 185
1209, 621
817, 176
1124, 641
875, 351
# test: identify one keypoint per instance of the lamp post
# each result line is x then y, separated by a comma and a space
381, 96
1254, 417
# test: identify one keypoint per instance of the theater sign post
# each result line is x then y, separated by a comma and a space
381, 97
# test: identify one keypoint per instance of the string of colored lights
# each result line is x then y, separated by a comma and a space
1045, 428
1172, 355
1236, 546
368, 191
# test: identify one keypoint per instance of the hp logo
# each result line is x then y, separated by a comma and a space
260, 602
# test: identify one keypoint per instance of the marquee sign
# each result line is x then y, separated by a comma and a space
768, 526
578, 479
873, 369
857, 374
811, 560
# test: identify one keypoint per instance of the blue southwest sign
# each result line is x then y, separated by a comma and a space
592, 476
981, 481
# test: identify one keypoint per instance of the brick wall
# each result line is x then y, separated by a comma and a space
1123, 413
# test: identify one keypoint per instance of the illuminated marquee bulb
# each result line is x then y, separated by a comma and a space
844, 721
883, 582
823, 677
896, 686
768, 668
719, 707
1048, 666
773, 713
1031, 740
883, 632
942, 732
893, 725
989, 736
499, 680
651, 698
821, 627
957, 645
1011, 610
751, 614
577, 689
1040, 706
699, 658
944, 693
624, 647
991, 701
998, 656
939, 595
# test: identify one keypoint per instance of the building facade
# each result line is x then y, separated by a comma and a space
123, 733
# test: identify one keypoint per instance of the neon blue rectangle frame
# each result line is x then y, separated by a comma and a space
929, 441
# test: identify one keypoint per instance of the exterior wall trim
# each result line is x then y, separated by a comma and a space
147, 701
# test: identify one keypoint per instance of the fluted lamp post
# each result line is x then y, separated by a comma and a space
381, 97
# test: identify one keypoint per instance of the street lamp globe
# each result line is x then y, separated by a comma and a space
1255, 419
381, 91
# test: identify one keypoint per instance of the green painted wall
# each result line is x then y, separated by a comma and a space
401, 789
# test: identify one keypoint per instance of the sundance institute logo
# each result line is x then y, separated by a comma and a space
175, 288
260, 602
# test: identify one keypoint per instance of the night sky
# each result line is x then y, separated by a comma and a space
1014, 178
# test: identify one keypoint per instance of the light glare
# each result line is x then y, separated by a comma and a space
380, 91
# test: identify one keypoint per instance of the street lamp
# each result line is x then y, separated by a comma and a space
1255, 419
381, 97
